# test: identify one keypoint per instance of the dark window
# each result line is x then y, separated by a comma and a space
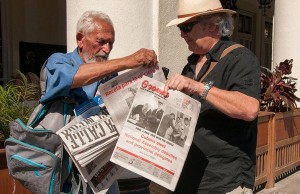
245, 24
33, 55
246, 30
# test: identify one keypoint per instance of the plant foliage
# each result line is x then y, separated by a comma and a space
278, 89
14, 102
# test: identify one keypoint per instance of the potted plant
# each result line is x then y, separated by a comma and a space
278, 88
16, 98
278, 124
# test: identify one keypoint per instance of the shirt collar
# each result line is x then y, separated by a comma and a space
75, 58
215, 52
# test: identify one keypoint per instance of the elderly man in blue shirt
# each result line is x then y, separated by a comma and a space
78, 74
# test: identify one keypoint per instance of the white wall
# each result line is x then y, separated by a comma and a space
173, 50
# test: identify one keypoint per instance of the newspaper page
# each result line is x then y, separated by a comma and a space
105, 177
157, 133
118, 93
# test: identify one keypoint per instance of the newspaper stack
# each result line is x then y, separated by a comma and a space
89, 139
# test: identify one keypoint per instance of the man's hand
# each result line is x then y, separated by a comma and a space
91, 72
232, 103
142, 57
183, 84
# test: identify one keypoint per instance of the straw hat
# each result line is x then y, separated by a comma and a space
188, 9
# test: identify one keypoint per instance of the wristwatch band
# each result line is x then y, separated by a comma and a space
207, 87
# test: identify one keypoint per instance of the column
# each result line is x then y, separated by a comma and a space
286, 39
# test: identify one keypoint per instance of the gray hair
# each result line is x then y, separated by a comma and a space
86, 23
222, 20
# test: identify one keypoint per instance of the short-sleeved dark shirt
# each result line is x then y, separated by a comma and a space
222, 156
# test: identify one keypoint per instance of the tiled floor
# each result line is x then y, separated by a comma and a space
288, 185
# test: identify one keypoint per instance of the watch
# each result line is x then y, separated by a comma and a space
207, 87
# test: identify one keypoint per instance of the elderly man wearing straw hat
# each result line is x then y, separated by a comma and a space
224, 77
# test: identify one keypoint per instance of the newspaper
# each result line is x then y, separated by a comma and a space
118, 93
89, 140
87, 133
105, 177
91, 137
157, 133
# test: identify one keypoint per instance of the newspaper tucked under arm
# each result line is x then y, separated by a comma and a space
157, 133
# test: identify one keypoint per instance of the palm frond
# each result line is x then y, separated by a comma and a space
13, 98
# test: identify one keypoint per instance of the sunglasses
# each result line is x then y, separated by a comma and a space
186, 28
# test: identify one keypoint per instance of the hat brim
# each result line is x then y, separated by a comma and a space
184, 19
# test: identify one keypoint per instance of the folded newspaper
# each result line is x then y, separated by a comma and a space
89, 139
157, 133
88, 133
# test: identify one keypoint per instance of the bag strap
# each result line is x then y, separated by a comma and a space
43, 78
224, 53
42, 109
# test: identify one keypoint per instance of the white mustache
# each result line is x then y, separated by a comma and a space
102, 55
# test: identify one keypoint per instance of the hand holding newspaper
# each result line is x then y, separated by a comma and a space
157, 133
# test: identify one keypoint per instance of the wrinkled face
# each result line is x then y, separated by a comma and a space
199, 37
96, 46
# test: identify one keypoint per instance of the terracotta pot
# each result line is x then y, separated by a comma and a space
3, 164
2, 144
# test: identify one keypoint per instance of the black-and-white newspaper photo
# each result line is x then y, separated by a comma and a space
119, 92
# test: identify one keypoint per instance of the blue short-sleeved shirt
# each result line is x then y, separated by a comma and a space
61, 69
